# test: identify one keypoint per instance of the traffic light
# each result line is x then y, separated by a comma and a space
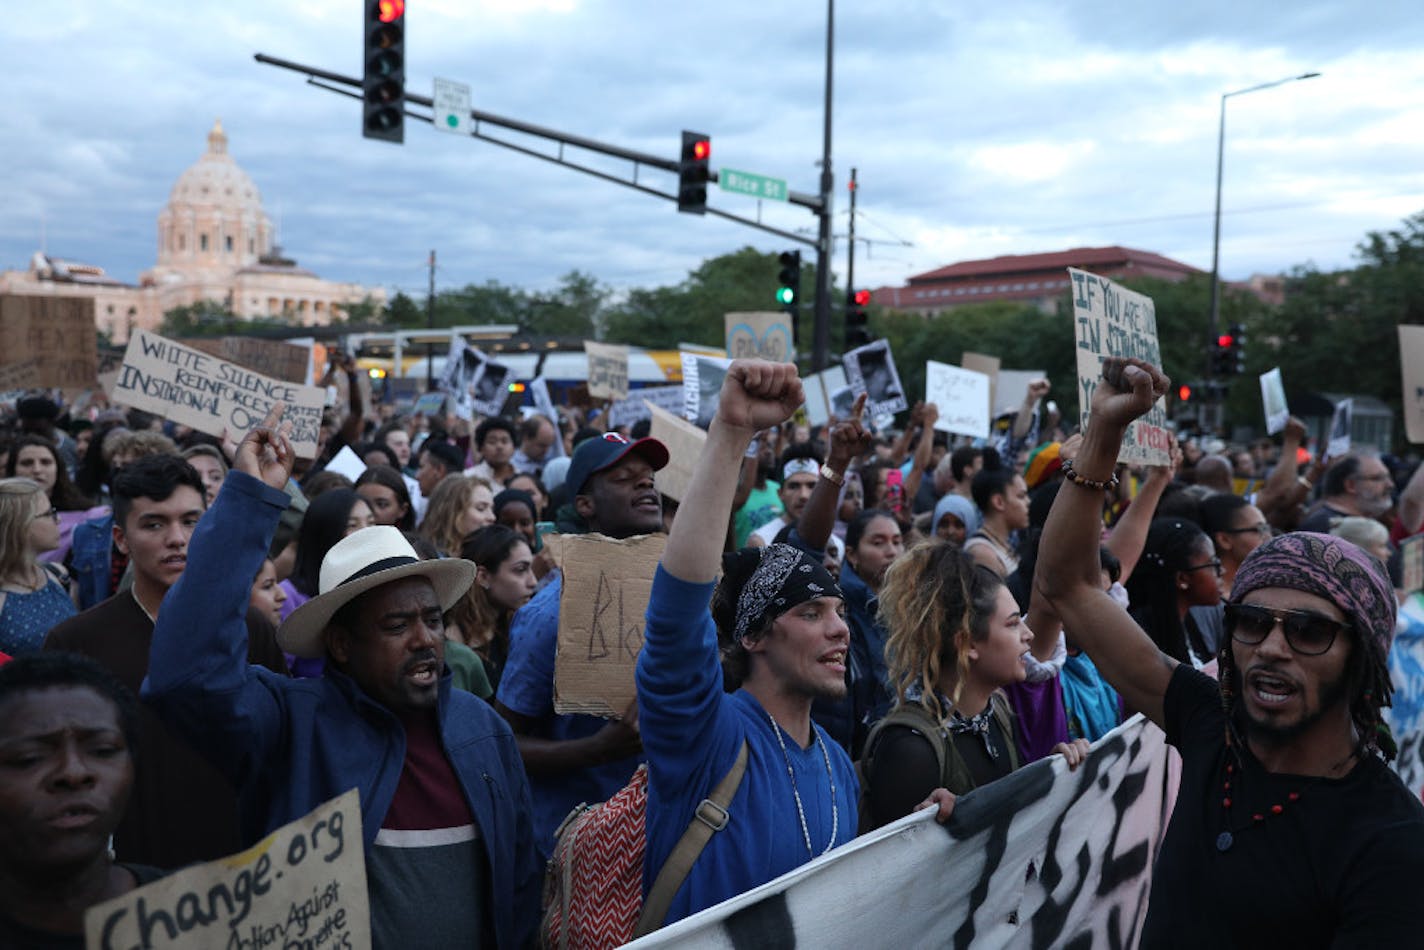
788, 289
693, 172
857, 330
1184, 393
383, 79
1237, 349
1221, 358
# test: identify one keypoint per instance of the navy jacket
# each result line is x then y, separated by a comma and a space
291, 744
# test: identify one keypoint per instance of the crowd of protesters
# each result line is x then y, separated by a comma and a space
212, 637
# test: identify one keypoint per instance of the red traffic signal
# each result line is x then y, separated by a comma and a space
1224, 341
389, 11
701, 150
1184, 392
862, 298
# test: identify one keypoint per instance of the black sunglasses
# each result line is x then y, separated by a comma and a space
1307, 633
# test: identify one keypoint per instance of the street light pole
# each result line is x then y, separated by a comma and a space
1216, 219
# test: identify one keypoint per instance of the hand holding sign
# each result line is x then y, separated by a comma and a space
265, 453
1128, 389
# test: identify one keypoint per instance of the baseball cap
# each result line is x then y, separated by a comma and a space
606, 451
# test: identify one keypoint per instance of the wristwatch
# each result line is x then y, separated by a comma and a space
831, 475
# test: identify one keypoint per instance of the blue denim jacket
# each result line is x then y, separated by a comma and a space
89, 559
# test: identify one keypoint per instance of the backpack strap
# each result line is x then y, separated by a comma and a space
711, 817
1004, 715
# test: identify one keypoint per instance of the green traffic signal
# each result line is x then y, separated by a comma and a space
785, 296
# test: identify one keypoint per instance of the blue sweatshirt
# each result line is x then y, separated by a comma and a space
692, 731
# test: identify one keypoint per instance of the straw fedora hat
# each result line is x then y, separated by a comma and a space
360, 562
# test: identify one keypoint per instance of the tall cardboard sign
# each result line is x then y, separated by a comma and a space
607, 370
211, 394
1109, 320
763, 335
304, 885
602, 611
1411, 366
684, 443
57, 333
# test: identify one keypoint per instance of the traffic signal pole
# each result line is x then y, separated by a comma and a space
821, 333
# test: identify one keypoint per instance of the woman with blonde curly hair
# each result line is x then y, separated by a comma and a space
956, 637
459, 505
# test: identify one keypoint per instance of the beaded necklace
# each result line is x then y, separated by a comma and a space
1227, 838
791, 773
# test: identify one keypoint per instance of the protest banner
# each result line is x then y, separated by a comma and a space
1273, 399
1405, 714
1411, 367
702, 386
870, 369
962, 398
210, 394
684, 443
274, 358
1042, 858
1341, 426
762, 334
607, 370
625, 412
57, 333
988, 365
602, 610
1109, 320
304, 885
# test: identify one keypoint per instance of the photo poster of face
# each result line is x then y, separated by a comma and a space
702, 378
459, 379
491, 388
870, 369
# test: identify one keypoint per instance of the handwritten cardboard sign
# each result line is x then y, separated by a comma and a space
1411, 366
275, 358
962, 398
602, 612
210, 394
607, 370
1109, 320
17, 377
870, 369
759, 334
304, 885
684, 443
57, 333
1273, 399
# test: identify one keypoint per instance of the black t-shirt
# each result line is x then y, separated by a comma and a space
1340, 867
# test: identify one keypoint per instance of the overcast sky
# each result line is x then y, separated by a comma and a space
978, 129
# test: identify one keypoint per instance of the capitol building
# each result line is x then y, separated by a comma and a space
215, 243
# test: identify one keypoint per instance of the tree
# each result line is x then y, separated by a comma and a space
401, 311
204, 318
574, 309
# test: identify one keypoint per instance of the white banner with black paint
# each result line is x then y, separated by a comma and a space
1043, 858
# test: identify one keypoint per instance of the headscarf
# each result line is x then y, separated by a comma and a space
772, 580
959, 506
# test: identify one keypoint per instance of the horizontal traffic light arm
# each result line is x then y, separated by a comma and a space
337, 80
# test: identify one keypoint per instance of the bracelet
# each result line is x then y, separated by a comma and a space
831, 475
1072, 475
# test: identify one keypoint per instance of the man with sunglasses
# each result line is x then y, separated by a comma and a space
1289, 829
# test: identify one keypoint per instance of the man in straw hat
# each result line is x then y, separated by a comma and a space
450, 855
1289, 828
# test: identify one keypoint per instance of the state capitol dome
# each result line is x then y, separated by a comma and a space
213, 221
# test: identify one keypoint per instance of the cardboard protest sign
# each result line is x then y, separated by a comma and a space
602, 610
275, 358
607, 370
870, 369
304, 885
818, 388
210, 394
1411, 366
1273, 398
1341, 425
57, 333
1044, 857
702, 378
988, 365
962, 398
625, 412
1113, 321
17, 377
764, 335
684, 443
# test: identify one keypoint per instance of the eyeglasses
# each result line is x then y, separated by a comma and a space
1214, 564
1307, 633
1262, 529
52, 514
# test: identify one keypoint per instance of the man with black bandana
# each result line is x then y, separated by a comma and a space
779, 613
1289, 828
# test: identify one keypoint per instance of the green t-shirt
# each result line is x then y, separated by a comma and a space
762, 505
